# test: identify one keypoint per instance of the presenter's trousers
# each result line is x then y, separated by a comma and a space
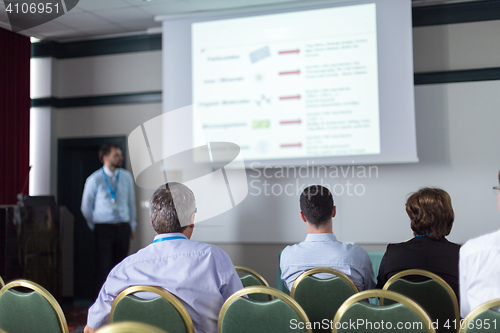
112, 243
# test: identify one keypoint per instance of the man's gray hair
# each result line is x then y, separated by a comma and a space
171, 207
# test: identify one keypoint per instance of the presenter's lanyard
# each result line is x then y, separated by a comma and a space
113, 192
168, 238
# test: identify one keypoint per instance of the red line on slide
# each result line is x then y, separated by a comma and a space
289, 122
291, 145
290, 72
289, 51
290, 97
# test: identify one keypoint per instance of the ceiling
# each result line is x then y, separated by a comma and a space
110, 18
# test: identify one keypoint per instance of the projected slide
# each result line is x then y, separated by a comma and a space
301, 84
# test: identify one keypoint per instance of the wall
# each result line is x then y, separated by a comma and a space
455, 136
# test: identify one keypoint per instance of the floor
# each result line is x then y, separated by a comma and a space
76, 317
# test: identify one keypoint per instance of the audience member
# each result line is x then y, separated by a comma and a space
321, 248
480, 269
431, 215
201, 275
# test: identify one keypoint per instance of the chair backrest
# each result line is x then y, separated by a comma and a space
321, 298
250, 278
165, 312
244, 315
27, 312
435, 296
129, 327
482, 319
405, 315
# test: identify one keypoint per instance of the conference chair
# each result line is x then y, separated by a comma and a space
321, 298
129, 327
435, 296
482, 319
405, 315
249, 278
30, 312
244, 315
165, 312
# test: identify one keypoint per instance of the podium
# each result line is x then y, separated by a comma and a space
34, 236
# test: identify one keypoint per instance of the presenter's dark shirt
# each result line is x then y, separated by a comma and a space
437, 256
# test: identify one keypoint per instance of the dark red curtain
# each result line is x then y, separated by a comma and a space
15, 52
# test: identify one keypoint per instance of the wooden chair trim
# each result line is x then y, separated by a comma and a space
2, 284
263, 290
42, 291
316, 270
162, 293
478, 310
412, 305
430, 275
129, 326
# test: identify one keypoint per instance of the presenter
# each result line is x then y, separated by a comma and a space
108, 205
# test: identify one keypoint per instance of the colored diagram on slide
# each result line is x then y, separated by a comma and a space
301, 84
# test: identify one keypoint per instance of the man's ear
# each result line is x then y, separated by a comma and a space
334, 211
303, 217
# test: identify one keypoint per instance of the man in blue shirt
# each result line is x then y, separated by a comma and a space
321, 248
108, 205
200, 275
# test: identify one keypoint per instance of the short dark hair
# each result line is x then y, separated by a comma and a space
106, 149
316, 203
171, 207
430, 212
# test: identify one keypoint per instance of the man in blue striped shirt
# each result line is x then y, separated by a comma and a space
321, 248
200, 275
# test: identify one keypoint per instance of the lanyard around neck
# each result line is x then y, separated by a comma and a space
168, 238
113, 192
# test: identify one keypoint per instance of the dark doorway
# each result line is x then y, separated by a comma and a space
77, 159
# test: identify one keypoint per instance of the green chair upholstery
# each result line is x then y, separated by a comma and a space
484, 318
30, 312
249, 278
244, 315
321, 298
435, 296
129, 327
165, 312
404, 316
375, 257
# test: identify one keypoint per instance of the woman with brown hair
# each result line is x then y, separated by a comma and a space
431, 216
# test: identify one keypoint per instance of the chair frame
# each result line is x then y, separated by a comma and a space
252, 272
129, 326
412, 305
256, 275
478, 310
2, 284
160, 292
263, 290
42, 291
328, 270
430, 275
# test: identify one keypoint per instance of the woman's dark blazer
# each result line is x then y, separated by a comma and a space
437, 256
